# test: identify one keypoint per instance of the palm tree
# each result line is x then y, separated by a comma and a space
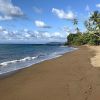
95, 18
93, 23
89, 26
75, 23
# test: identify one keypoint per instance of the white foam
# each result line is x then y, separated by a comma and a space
4, 64
34, 57
15, 61
5, 68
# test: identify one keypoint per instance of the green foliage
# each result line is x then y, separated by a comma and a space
93, 23
92, 36
66, 43
86, 38
75, 39
94, 40
81, 39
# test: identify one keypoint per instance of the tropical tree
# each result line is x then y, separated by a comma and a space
95, 18
75, 23
91, 36
89, 26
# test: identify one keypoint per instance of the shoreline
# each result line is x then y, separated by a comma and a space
9, 73
69, 77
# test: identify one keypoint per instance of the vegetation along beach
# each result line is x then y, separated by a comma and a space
49, 50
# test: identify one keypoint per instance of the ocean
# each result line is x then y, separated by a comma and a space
17, 56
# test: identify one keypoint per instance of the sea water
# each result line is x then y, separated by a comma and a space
17, 56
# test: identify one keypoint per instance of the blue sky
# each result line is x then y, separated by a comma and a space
37, 21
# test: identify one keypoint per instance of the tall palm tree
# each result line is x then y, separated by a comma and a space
88, 25
95, 18
75, 23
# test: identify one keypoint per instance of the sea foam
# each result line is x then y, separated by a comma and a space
16, 61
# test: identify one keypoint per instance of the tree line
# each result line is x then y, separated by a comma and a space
90, 36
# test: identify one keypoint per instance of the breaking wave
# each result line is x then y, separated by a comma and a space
16, 61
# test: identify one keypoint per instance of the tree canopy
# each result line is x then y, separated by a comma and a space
92, 34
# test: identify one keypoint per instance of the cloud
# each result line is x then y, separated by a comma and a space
37, 10
1, 29
98, 5
87, 8
5, 18
8, 11
49, 35
30, 35
41, 24
63, 15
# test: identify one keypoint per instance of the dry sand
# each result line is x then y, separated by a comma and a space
70, 77
95, 61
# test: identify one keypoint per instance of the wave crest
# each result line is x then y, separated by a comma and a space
15, 61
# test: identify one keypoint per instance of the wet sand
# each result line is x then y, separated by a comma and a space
70, 77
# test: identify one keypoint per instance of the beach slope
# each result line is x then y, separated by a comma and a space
70, 77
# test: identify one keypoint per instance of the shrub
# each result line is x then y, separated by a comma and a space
94, 40
81, 39
75, 39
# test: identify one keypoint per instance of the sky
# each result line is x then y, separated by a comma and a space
40, 21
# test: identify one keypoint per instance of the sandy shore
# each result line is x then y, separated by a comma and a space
70, 77
95, 61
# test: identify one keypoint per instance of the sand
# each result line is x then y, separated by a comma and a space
70, 77
95, 61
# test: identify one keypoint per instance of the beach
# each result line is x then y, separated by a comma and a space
95, 61
69, 77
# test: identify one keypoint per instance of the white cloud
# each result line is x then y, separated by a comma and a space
98, 5
6, 17
30, 35
41, 24
49, 35
1, 28
8, 10
63, 15
87, 8
37, 10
